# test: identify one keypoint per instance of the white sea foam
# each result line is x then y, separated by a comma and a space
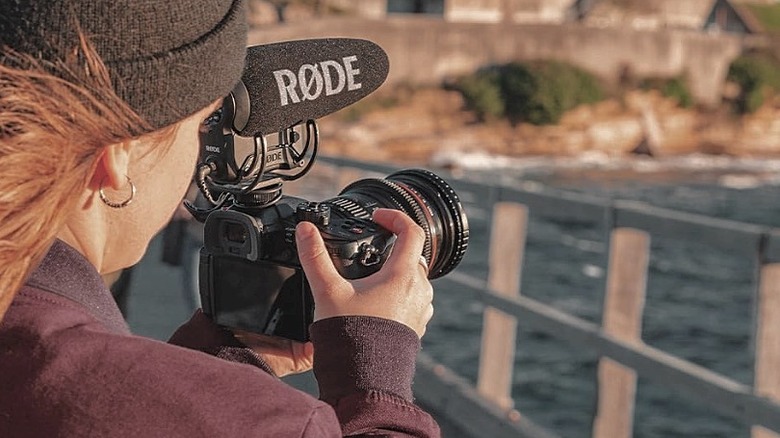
738, 172
740, 181
592, 271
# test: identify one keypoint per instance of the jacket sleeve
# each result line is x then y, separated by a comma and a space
200, 333
365, 367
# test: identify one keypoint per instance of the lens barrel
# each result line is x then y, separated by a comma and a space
428, 200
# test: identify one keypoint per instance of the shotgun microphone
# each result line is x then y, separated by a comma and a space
284, 88
291, 82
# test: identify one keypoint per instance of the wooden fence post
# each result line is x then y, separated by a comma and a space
497, 356
629, 256
767, 365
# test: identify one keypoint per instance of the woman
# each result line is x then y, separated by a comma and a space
100, 104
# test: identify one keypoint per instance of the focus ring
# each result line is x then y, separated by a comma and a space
460, 230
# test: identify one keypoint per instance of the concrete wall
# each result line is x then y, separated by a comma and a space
375, 9
425, 50
486, 11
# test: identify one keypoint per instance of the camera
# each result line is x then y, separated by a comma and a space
250, 277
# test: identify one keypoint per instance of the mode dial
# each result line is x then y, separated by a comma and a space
314, 212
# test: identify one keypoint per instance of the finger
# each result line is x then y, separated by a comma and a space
428, 314
426, 319
411, 238
308, 350
314, 258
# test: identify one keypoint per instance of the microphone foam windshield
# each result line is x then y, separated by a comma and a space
294, 81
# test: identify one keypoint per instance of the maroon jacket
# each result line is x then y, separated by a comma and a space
69, 367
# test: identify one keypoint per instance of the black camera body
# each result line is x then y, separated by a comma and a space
250, 274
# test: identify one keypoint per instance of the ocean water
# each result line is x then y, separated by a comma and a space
699, 300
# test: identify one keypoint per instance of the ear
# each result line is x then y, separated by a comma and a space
112, 166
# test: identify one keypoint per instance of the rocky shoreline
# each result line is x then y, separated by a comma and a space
421, 126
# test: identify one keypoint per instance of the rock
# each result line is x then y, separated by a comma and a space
417, 125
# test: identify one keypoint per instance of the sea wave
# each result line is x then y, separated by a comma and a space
734, 172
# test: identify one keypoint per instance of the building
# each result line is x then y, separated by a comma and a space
700, 15
733, 16
483, 11
518, 11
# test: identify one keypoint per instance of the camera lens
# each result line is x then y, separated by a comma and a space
424, 197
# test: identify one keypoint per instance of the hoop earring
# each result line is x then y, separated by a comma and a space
113, 204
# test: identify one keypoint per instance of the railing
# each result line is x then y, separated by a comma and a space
617, 341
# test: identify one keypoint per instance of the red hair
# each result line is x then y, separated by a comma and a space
55, 120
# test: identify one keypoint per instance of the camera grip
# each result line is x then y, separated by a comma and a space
360, 250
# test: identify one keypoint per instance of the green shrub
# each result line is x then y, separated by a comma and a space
758, 77
677, 89
674, 88
537, 92
482, 94
517, 84
550, 89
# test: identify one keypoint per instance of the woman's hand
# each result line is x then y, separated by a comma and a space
399, 291
284, 356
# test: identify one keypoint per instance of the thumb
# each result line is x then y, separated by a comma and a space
314, 258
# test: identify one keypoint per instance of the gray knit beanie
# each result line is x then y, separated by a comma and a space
167, 58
